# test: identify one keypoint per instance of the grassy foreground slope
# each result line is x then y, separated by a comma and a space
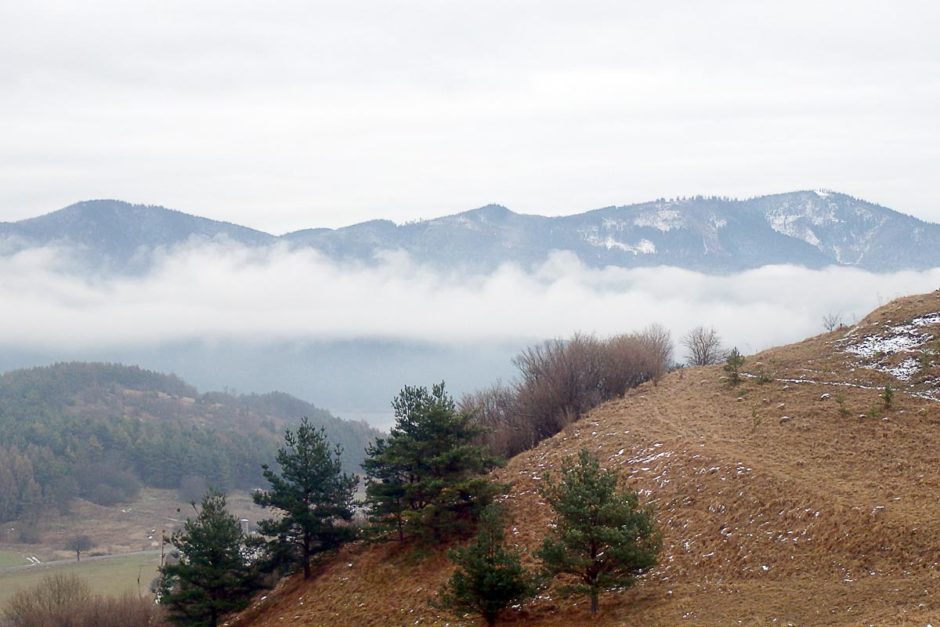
796, 497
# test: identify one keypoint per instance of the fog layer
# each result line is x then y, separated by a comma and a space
230, 293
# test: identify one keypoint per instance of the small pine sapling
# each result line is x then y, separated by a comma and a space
489, 577
840, 401
601, 534
887, 396
733, 363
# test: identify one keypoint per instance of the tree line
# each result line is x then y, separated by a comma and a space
101, 431
426, 484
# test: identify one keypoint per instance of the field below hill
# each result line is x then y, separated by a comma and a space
111, 575
126, 542
799, 496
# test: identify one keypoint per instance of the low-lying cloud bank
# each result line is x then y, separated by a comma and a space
219, 292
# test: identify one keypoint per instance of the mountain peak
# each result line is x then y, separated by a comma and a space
489, 212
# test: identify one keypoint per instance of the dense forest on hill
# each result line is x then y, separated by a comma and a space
100, 431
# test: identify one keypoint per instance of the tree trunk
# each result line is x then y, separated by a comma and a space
306, 558
594, 603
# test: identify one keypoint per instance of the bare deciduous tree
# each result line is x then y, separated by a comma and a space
832, 321
78, 544
703, 346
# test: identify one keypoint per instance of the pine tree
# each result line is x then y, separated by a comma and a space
489, 577
385, 491
427, 476
733, 363
601, 535
313, 494
212, 577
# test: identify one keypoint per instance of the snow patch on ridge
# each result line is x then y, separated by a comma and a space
643, 247
663, 220
901, 338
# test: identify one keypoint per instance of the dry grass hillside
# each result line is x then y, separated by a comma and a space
793, 498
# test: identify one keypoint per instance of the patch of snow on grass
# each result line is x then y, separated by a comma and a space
896, 339
892, 340
649, 458
905, 370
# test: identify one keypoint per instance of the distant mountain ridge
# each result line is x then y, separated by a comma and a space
707, 234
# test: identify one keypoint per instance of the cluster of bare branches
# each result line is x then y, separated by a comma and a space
560, 380
66, 599
703, 347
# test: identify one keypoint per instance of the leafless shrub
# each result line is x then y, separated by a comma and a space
508, 433
634, 358
127, 610
561, 380
658, 343
66, 601
703, 346
50, 602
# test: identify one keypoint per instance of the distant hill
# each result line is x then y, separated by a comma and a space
707, 234
798, 497
97, 430
113, 235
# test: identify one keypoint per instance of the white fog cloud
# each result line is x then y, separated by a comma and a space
276, 294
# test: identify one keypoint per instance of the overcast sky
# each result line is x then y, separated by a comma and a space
284, 115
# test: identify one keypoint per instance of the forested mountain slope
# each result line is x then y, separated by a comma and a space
800, 496
706, 234
100, 430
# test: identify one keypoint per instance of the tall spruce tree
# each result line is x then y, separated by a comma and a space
601, 535
213, 576
313, 494
489, 577
426, 479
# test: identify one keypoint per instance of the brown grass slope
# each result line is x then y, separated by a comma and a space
828, 516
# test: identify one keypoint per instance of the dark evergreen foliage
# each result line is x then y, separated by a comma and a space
426, 479
313, 494
101, 431
489, 577
733, 363
213, 576
601, 535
